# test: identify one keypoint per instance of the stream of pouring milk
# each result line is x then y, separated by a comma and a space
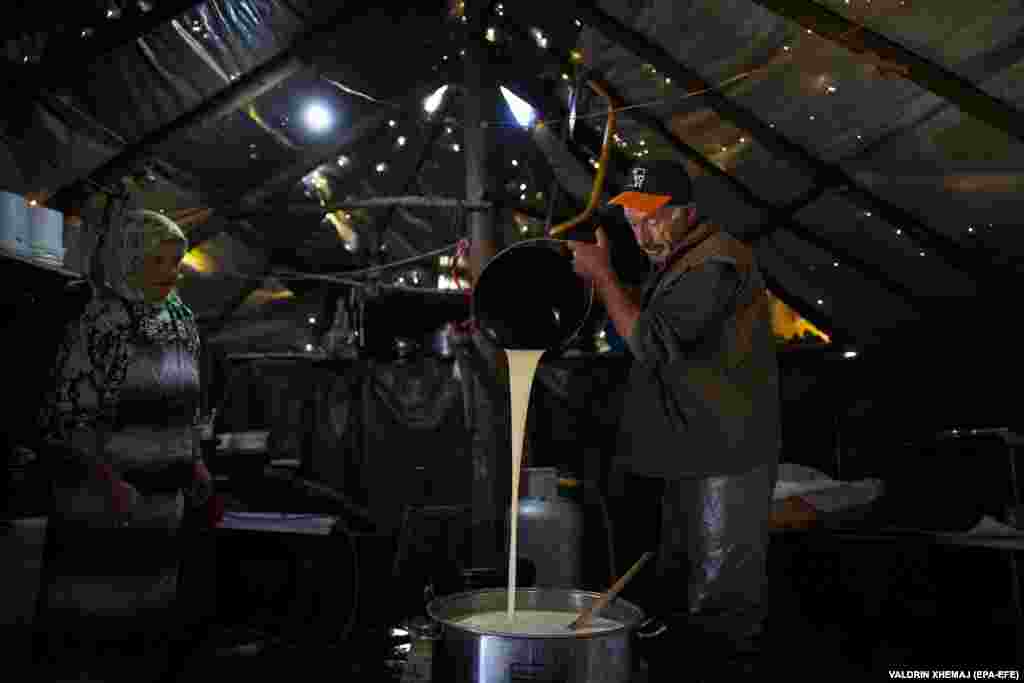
522, 366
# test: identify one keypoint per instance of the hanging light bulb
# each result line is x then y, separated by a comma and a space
434, 101
524, 114
318, 117
539, 36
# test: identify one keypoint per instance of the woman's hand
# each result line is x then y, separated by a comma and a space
123, 496
202, 484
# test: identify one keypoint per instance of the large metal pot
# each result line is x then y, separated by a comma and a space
472, 655
529, 297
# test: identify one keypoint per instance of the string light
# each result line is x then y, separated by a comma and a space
523, 186
522, 197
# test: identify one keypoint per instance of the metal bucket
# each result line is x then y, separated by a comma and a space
469, 654
529, 297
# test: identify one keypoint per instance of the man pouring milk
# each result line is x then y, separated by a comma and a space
697, 457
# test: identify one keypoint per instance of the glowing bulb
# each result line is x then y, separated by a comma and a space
521, 109
821, 302
835, 263
343, 161
312, 320
786, 48
898, 231
309, 348
522, 197
579, 24
456, 147
492, 35
382, 167
565, 77
392, 123
401, 141
515, 162
922, 253
831, 88
318, 117
849, 354
434, 101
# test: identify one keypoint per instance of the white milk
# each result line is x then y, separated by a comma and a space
535, 622
522, 365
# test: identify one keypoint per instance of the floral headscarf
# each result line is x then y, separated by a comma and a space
132, 235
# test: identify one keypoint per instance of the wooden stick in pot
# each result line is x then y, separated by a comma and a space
584, 618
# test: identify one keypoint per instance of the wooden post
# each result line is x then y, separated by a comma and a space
478, 94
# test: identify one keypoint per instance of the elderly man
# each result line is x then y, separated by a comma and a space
697, 459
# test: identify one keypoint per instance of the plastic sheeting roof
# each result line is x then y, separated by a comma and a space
931, 215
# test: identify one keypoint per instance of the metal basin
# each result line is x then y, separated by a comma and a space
469, 654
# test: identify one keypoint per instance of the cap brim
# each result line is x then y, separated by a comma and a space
641, 201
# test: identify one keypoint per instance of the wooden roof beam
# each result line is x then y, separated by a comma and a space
861, 40
979, 267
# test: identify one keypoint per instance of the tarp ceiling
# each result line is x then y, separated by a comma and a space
868, 147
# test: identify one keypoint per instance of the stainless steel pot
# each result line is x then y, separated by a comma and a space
472, 655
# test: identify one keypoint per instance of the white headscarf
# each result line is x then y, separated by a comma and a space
131, 235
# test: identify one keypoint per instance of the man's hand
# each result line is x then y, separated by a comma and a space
593, 261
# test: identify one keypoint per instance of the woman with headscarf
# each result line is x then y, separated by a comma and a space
120, 419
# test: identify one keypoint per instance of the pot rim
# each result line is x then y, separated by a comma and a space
438, 604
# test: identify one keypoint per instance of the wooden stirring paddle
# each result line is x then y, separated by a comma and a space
584, 618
